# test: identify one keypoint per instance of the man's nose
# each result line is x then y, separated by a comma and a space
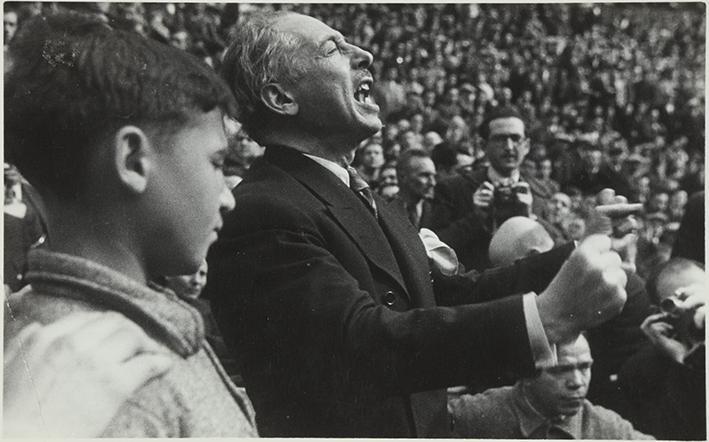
575, 380
360, 58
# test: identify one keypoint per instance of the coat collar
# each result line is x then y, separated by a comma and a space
157, 310
344, 207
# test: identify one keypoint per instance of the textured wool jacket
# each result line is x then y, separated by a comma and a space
194, 398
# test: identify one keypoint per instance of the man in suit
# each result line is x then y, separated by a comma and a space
416, 174
470, 206
326, 291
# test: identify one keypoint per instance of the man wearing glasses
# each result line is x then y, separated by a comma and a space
468, 208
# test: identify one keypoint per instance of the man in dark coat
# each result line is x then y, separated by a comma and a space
326, 291
468, 208
416, 174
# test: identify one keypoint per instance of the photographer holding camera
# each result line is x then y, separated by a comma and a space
469, 207
664, 382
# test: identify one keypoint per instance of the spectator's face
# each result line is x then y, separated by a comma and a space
507, 145
333, 96
187, 179
409, 140
247, 148
180, 40
545, 169
658, 202
576, 229
559, 207
189, 286
373, 156
419, 178
593, 158
561, 390
417, 123
9, 25
387, 177
677, 203
529, 167
431, 139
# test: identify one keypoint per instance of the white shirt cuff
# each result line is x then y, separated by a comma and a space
543, 353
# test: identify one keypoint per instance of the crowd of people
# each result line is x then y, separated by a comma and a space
401, 205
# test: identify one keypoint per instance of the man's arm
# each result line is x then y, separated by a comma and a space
530, 274
281, 286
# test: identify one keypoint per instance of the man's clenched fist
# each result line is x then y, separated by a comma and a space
588, 290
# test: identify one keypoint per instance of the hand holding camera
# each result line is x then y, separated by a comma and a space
482, 198
679, 328
504, 200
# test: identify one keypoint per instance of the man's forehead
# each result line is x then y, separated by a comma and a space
506, 125
302, 25
574, 353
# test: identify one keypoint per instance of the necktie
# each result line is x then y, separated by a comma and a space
413, 214
362, 189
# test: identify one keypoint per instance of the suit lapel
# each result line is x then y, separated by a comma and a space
343, 206
409, 251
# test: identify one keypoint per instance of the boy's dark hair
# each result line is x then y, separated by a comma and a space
74, 81
496, 113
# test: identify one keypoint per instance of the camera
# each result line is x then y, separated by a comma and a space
682, 319
505, 203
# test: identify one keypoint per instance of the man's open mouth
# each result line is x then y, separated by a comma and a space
363, 92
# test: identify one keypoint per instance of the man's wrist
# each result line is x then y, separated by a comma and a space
555, 329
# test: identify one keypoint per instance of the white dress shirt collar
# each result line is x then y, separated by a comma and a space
339, 171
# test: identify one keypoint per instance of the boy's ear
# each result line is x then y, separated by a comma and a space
131, 156
280, 101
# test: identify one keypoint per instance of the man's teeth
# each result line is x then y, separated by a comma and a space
362, 94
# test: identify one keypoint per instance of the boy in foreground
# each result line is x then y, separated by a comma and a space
124, 139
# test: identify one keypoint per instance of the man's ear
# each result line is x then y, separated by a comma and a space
131, 158
280, 101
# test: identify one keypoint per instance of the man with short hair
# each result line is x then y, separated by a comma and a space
123, 137
417, 179
551, 404
664, 382
469, 207
326, 290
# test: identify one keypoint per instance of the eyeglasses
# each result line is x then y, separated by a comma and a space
502, 138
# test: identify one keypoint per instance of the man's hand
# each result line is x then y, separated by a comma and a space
524, 196
69, 378
588, 290
482, 198
660, 333
614, 217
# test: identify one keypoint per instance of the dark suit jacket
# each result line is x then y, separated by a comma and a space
466, 229
333, 313
426, 211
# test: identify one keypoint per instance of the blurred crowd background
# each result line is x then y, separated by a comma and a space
613, 94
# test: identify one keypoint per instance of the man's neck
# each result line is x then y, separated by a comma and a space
408, 198
495, 175
337, 151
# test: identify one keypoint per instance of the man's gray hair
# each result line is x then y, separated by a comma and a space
260, 55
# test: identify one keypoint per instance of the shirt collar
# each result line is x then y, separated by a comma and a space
530, 419
495, 177
339, 171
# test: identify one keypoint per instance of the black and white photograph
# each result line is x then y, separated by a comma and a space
354, 220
